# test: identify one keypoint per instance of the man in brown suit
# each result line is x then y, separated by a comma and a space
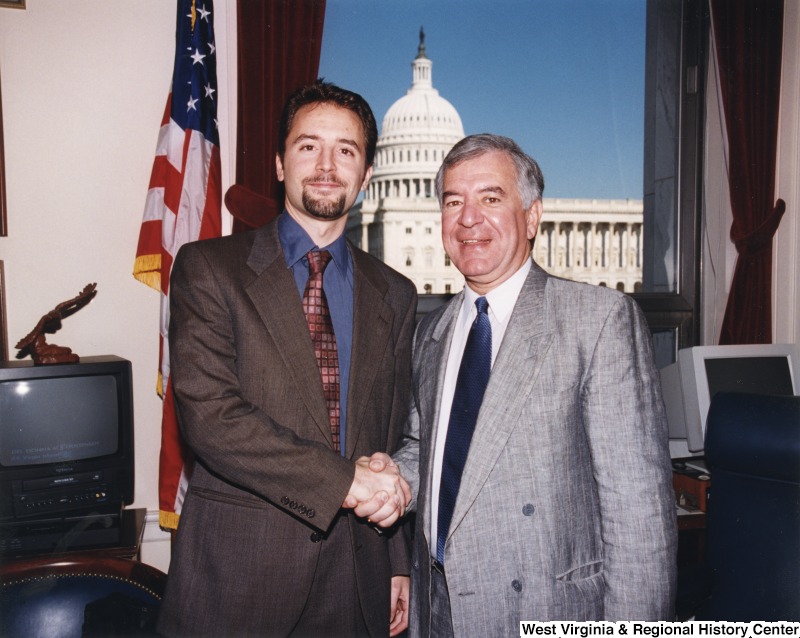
265, 546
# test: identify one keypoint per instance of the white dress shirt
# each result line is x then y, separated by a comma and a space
501, 303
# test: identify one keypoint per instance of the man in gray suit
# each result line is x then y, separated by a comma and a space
551, 498
290, 354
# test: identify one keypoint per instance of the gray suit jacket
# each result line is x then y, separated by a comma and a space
566, 509
267, 485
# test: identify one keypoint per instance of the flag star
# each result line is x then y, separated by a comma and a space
203, 13
197, 57
212, 47
209, 91
190, 106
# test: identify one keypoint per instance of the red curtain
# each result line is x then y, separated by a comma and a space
748, 40
279, 48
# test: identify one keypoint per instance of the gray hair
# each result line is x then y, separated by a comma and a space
530, 181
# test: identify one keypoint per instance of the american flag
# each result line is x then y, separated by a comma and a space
183, 204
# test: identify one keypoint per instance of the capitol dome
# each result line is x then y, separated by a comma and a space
420, 128
399, 220
421, 114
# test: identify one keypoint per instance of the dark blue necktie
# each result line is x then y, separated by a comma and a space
473, 375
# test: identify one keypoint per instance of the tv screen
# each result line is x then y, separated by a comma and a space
57, 420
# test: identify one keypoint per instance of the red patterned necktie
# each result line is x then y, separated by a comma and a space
318, 316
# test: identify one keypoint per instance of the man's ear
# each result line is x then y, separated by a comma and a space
279, 167
367, 177
532, 218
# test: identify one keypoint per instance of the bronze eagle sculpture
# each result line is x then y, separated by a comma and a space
35, 343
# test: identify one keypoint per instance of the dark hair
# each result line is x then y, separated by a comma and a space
321, 92
530, 181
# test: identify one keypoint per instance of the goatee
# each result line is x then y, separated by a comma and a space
323, 209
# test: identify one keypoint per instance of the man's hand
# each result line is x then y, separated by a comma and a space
378, 491
398, 620
379, 461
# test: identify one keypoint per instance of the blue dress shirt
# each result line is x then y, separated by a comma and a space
338, 285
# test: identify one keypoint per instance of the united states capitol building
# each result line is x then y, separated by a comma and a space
598, 241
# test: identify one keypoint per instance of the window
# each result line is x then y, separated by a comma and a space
670, 44
674, 111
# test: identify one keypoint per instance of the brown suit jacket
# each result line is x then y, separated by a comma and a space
267, 485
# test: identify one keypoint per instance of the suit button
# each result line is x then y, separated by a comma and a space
516, 585
310, 513
316, 537
528, 509
285, 500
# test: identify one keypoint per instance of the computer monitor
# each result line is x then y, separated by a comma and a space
689, 384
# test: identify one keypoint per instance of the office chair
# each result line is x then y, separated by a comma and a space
80, 595
752, 451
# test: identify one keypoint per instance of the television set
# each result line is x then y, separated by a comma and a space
689, 384
66, 450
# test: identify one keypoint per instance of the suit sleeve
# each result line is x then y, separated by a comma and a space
407, 457
626, 426
236, 439
400, 540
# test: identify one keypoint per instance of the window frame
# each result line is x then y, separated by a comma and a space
687, 22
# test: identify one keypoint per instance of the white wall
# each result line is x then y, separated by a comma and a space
84, 84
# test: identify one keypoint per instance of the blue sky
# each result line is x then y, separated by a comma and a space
565, 78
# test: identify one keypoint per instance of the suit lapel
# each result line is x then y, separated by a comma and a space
430, 374
373, 319
274, 295
525, 345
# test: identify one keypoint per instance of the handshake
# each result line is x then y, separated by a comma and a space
378, 493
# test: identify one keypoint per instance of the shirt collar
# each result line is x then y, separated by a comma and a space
503, 298
296, 243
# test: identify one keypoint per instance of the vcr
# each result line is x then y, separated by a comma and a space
73, 493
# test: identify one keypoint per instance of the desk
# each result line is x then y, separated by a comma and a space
691, 495
692, 520
131, 529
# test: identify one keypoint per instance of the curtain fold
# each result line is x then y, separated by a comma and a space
748, 40
279, 44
